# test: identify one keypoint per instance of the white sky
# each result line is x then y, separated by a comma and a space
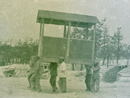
18, 17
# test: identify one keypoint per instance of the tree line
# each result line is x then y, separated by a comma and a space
17, 51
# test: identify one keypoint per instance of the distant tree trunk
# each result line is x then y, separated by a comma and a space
103, 60
127, 61
107, 60
73, 66
112, 60
7, 60
117, 59
118, 56
81, 68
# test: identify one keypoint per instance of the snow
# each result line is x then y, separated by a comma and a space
16, 87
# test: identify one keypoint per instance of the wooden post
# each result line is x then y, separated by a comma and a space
67, 32
93, 51
86, 34
64, 31
40, 29
73, 66
81, 67
40, 47
39, 39
68, 42
42, 33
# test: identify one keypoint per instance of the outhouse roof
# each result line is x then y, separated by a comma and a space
62, 18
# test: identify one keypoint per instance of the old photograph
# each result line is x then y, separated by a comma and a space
64, 49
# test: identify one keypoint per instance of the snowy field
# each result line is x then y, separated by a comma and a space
16, 87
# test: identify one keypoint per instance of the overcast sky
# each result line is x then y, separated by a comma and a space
18, 17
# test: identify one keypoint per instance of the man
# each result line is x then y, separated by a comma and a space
62, 75
53, 73
95, 77
88, 77
31, 71
35, 78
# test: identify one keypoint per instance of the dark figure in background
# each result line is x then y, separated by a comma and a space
53, 73
88, 77
95, 77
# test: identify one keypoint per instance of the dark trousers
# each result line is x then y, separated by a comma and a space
88, 79
53, 81
62, 84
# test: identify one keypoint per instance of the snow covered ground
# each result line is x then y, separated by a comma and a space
16, 87
124, 75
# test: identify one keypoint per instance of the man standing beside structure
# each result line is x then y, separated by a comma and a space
35, 79
62, 75
95, 77
88, 77
31, 71
53, 73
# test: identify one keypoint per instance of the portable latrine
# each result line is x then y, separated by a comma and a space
73, 50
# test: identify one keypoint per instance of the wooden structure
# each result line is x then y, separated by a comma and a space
73, 50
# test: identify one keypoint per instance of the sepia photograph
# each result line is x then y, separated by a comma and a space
64, 49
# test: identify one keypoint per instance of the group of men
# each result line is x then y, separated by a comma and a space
60, 70
56, 69
92, 78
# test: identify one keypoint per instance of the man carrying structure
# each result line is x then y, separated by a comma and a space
31, 71
95, 77
62, 75
35, 78
53, 73
88, 77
